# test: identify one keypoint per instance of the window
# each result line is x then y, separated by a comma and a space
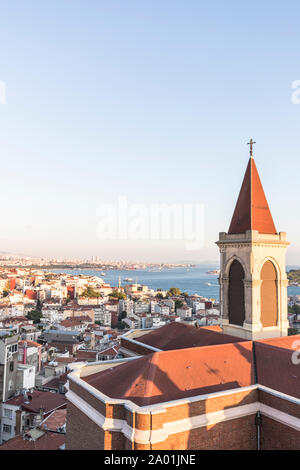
236, 297
11, 366
7, 428
8, 413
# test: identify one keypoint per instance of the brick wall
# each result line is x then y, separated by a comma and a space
236, 434
233, 434
277, 436
280, 404
81, 432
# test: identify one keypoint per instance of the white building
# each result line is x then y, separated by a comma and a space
25, 377
184, 311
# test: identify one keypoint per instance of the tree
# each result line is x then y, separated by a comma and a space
178, 304
90, 293
117, 295
174, 292
35, 315
293, 331
122, 315
159, 296
121, 325
296, 309
5, 293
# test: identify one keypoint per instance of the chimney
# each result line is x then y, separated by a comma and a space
92, 340
18, 422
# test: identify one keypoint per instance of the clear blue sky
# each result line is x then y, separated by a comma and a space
154, 100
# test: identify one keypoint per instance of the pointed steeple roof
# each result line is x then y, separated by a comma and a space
252, 210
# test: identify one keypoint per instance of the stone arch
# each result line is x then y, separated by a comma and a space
236, 294
268, 295
229, 263
274, 262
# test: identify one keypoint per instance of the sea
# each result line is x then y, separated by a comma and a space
191, 280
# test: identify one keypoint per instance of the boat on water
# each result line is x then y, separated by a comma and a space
128, 279
214, 272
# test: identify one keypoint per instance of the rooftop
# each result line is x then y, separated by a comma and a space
37, 400
171, 375
178, 335
55, 420
275, 366
43, 441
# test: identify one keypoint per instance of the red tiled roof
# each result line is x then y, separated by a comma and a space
53, 383
113, 351
49, 441
252, 210
82, 355
46, 400
73, 321
55, 420
274, 364
171, 375
177, 335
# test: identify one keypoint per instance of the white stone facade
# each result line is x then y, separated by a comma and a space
252, 249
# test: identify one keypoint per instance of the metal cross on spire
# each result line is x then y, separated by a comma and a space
251, 143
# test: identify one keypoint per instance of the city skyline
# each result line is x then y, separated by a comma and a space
154, 102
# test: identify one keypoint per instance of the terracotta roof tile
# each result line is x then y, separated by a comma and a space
177, 335
275, 367
171, 375
49, 441
55, 420
46, 400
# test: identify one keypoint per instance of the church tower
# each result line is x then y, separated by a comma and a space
253, 282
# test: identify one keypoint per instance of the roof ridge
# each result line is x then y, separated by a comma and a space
146, 360
151, 375
274, 346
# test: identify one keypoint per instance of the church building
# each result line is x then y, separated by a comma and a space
187, 387
253, 277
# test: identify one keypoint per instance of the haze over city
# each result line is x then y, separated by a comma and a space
154, 101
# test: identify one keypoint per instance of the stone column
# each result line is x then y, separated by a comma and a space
224, 286
252, 304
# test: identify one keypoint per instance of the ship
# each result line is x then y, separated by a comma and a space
214, 272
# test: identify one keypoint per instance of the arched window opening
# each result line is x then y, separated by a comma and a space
236, 294
268, 295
